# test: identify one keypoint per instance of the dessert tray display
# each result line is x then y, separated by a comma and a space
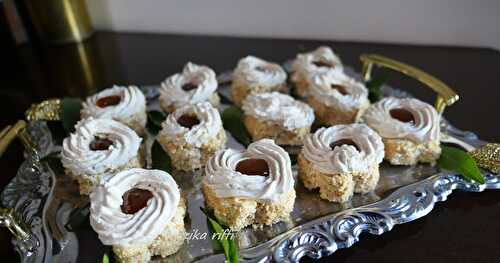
49, 219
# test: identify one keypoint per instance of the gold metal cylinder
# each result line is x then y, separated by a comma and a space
60, 21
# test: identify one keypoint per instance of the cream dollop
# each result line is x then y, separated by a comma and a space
322, 89
132, 101
210, 124
424, 130
77, 156
306, 64
344, 158
172, 93
257, 71
117, 228
279, 108
222, 178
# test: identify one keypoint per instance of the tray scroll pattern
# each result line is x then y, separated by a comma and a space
326, 235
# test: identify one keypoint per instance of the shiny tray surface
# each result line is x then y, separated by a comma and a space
46, 200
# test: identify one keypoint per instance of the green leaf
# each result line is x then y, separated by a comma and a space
459, 161
70, 113
105, 258
156, 117
374, 85
232, 119
229, 245
233, 252
160, 159
219, 230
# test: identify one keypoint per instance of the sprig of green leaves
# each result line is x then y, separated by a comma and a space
105, 258
232, 119
159, 158
374, 87
228, 244
69, 113
155, 119
459, 161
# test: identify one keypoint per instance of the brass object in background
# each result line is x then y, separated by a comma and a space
445, 95
47, 110
60, 21
488, 157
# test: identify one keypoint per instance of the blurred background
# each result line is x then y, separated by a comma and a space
443, 22
434, 22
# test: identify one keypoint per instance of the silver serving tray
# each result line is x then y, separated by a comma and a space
46, 199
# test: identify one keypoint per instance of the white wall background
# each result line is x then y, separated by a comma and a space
448, 22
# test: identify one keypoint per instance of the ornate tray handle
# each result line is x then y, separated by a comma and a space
445, 95
26, 242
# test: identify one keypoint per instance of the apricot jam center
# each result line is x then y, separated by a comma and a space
253, 167
188, 121
134, 200
189, 86
340, 89
343, 142
402, 115
100, 144
319, 63
108, 101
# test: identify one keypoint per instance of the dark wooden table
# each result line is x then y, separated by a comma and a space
464, 229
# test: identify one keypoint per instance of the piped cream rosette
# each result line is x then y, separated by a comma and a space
254, 75
124, 104
420, 123
248, 187
193, 85
191, 134
99, 148
410, 129
140, 213
115, 227
223, 178
320, 61
340, 160
337, 98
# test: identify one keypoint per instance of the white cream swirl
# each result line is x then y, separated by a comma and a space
344, 158
172, 93
257, 71
77, 156
426, 120
279, 108
222, 178
306, 64
210, 124
132, 102
322, 89
117, 228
